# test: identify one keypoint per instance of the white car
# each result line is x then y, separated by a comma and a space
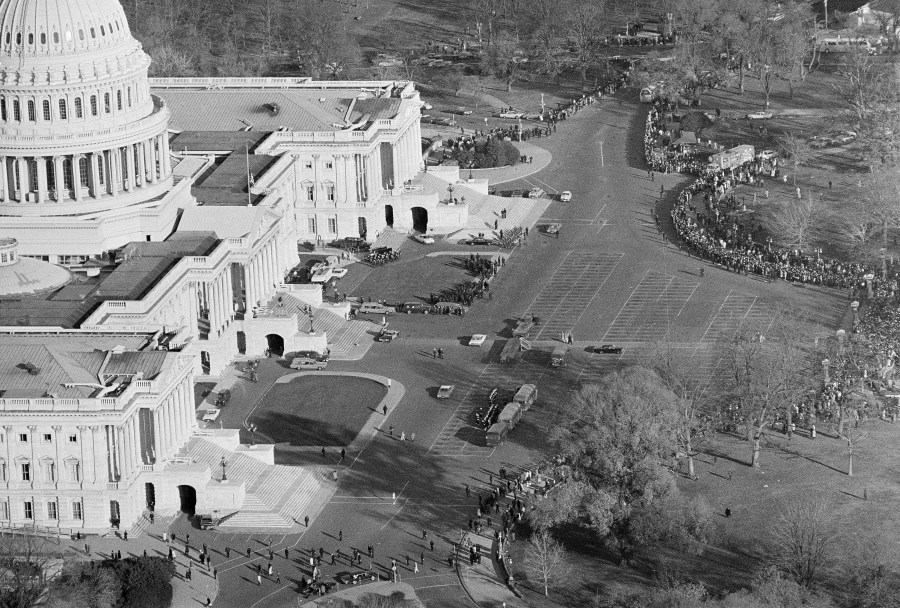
445, 391
477, 339
424, 239
338, 273
566, 196
211, 415
760, 115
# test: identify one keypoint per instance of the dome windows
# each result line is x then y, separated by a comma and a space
79, 113
81, 34
102, 31
55, 37
30, 39
43, 38
31, 111
119, 99
45, 110
93, 33
107, 106
63, 110
18, 38
3, 115
17, 111
68, 36
93, 105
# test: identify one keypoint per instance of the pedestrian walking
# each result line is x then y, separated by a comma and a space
432, 545
248, 551
286, 552
125, 536
384, 409
468, 491
343, 454
269, 569
701, 272
434, 353
271, 555
215, 573
340, 535
259, 579
189, 574
407, 559
391, 430
227, 552
416, 568
422, 557
306, 520
424, 534
208, 602
332, 559
278, 578
371, 551
440, 353
403, 436
204, 548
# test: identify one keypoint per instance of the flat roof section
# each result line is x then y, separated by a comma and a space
226, 183
217, 142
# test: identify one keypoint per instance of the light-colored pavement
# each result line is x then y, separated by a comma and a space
540, 158
481, 580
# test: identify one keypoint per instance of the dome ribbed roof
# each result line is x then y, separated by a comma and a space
22, 276
39, 28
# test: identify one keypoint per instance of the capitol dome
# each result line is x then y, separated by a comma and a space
80, 132
23, 276
35, 28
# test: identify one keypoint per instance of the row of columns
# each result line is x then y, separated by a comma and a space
173, 422
262, 274
407, 156
221, 301
150, 157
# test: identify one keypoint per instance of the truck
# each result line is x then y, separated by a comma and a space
496, 434
560, 356
526, 395
512, 351
511, 414
525, 325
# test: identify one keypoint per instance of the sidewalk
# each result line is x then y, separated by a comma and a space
480, 580
184, 592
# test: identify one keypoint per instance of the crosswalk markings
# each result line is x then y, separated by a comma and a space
650, 309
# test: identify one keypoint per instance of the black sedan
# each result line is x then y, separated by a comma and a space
608, 349
354, 578
479, 240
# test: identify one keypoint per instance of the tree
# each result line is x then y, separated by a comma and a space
169, 62
321, 40
503, 58
767, 374
796, 221
796, 150
802, 538
795, 41
545, 558
587, 25
25, 560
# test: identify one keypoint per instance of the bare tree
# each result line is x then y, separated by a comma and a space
802, 538
25, 561
545, 558
170, 62
796, 150
795, 221
853, 437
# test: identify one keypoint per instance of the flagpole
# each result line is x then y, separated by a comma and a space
247, 157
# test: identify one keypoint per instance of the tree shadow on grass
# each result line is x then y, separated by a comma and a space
302, 431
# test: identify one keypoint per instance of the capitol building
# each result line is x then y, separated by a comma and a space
146, 227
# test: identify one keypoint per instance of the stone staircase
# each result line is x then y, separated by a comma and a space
389, 237
276, 496
342, 335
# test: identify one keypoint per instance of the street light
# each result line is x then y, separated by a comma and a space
224, 477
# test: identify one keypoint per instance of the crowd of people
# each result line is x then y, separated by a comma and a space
714, 226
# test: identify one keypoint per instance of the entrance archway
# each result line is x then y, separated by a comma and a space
150, 492
420, 219
275, 344
187, 496
389, 215
363, 228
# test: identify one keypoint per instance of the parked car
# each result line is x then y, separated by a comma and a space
511, 115
374, 308
424, 239
759, 115
480, 240
305, 363
312, 354
477, 339
223, 397
206, 521
566, 196
354, 578
417, 307
387, 335
536, 193
608, 349
211, 415
445, 391
338, 273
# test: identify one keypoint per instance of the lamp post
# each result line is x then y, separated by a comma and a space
450, 189
224, 477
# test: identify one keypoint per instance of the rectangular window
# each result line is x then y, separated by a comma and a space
332, 225
329, 164
3, 109
52, 511
77, 512
63, 109
45, 106
73, 438
310, 192
48, 437
23, 437
29, 510
311, 225
17, 110
331, 193
4, 510
75, 471
50, 472
26, 471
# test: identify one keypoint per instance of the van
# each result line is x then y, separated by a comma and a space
526, 395
374, 308
560, 356
844, 44
306, 363
417, 307
496, 434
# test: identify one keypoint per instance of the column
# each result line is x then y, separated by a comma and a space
150, 147
115, 172
4, 181
398, 180
173, 423
135, 439
141, 174
76, 176
187, 406
58, 177
248, 287
193, 314
124, 445
164, 142
24, 182
220, 300
129, 159
350, 178
157, 437
229, 294
93, 453
41, 166
377, 176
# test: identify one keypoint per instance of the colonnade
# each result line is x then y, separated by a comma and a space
407, 155
262, 274
93, 174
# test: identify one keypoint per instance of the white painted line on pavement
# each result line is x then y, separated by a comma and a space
394, 515
265, 597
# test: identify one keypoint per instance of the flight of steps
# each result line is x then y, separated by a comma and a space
342, 335
391, 238
276, 496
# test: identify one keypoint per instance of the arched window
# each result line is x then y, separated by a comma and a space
8, 38
93, 33
31, 111
51, 173
78, 111
17, 112
67, 172
80, 34
102, 31
30, 39
129, 97
18, 38
3, 109
63, 110
84, 169
45, 107
32, 175
119, 99
43, 38
107, 107
100, 165
126, 170
93, 105
55, 37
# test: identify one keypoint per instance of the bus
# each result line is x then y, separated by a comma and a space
844, 44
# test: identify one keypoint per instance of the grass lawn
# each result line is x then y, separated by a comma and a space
318, 410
